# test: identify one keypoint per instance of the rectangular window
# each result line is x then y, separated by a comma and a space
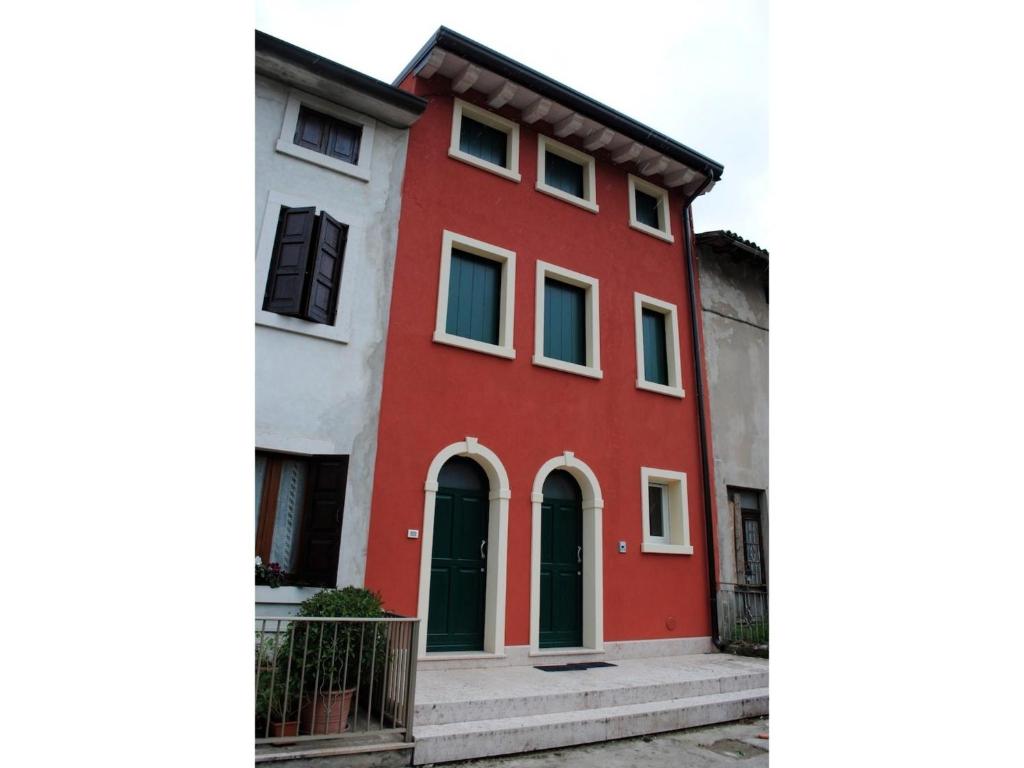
304, 277
475, 296
666, 517
648, 209
299, 507
565, 327
474, 288
566, 173
657, 511
328, 135
655, 356
567, 332
747, 508
658, 365
485, 140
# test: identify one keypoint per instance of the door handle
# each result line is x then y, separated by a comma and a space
579, 554
483, 543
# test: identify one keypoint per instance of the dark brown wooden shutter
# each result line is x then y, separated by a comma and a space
287, 276
322, 524
325, 271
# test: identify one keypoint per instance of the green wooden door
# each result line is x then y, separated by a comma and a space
561, 563
458, 571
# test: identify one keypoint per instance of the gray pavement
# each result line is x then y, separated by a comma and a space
708, 747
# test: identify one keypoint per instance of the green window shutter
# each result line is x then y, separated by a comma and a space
483, 141
655, 352
474, 297
646, 209
565, 329
563, 174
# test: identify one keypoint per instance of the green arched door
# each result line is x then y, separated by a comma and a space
458, 568
561, 563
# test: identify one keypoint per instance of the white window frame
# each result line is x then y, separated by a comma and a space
674, 388
592, 321
589, 201
341, 331
286, 143
507, 260
508, 127
677, 538
664, 232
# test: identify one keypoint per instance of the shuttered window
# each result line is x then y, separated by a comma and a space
300, 503
483, 141
565, 331
563, 174
328, 135
305, 266
655, 352
647, 209
474, 294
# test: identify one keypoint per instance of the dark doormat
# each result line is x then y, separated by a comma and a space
581, 665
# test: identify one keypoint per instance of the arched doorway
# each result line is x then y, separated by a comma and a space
590, 563
495, 548
561, 562
458, 567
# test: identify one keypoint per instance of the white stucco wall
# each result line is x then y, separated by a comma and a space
316, 395
735, 317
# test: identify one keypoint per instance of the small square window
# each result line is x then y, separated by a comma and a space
567, 334
475, 298
327, 134
566, 173
649, 209
658, 365
485, 140
666, 523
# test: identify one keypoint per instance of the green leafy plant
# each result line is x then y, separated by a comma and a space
278, 687
270, 575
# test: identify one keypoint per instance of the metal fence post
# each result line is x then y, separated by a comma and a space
410, 688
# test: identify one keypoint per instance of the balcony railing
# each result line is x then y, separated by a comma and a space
322, 678
745, 613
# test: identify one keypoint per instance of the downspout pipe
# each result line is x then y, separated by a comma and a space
698, 365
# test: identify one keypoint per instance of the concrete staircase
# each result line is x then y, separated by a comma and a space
471, 713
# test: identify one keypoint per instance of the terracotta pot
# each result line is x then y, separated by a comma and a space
332, 710
289, 728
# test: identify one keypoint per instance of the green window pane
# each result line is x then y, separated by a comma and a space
563, 174
483, 141
655, 352
646, 209
565, 322
474, 295
655, 509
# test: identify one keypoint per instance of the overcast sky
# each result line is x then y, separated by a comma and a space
696, 70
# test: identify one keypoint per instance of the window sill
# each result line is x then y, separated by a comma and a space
303, 327
483, 165
440, 337
647, 230
666, 549
586, 205
562, 365
661, 389
340, 166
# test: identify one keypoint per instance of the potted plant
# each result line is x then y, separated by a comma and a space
336, 655
278, 690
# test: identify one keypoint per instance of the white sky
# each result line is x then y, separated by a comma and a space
696, 71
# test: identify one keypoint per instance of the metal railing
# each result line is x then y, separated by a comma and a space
322, 678
745, 613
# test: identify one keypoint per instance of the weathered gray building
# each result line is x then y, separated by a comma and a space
734, 298
330, 157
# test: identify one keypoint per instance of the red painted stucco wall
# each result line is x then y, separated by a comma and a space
435, 394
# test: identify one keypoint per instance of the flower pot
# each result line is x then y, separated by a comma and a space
331, 712
289, 728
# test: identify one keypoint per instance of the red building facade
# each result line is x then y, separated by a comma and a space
539, 379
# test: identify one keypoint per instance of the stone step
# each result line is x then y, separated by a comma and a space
610, 693
508, 735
